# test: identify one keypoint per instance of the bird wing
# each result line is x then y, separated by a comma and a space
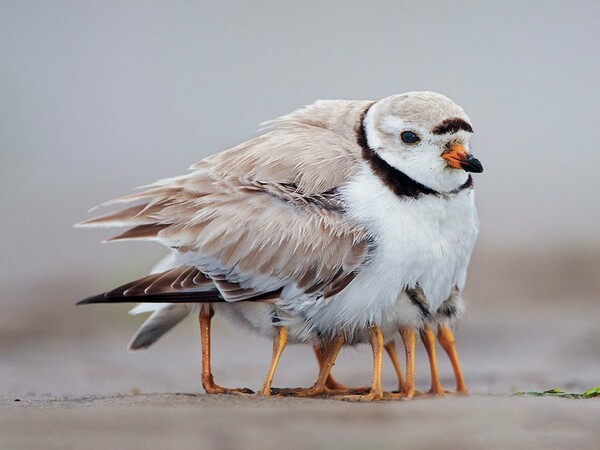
265, 216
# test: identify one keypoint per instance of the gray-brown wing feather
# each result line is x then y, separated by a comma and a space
264, 214
185, 284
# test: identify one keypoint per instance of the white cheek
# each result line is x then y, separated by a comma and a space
425, 165
422, 162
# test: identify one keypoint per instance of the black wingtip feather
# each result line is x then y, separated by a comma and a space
182, 297
95, 299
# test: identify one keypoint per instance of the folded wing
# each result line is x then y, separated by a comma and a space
261, 218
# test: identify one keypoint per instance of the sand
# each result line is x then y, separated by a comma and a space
201, 421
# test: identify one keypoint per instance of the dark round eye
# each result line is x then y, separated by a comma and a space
408, 137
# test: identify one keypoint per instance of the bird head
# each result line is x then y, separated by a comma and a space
425, 135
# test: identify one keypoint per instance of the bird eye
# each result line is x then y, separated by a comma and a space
408, 137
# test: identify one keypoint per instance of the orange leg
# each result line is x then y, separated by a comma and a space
376, 393
205, 316
390, 348
331, 384
326, 356
279, 342
446, 339
428, 338
408, 338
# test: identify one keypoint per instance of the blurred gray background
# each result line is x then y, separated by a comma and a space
98, 97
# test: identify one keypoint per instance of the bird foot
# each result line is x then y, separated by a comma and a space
370, 397
347, 390
432, 393
303, 392
216, 389
404, 395
334, 386
459, 393
319, 392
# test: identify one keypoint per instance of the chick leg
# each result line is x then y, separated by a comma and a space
331, 383
328, 355
446, 339
376, 393
408, 338
428, 338
205, 316
279, 342
390, 348
334, 386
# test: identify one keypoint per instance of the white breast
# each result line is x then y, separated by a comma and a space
426, 241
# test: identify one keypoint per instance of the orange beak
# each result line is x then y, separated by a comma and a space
458, 157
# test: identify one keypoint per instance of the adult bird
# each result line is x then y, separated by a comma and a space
354, 218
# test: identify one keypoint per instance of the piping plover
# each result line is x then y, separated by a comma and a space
354, 218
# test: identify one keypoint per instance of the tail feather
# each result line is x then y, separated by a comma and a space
159, 323
143, 308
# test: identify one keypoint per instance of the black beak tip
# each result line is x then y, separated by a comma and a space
472, 164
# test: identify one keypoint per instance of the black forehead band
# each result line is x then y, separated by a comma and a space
452, 126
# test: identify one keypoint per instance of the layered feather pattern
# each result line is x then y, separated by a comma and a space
262, 216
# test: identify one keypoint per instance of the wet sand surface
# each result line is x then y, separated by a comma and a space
200, 421
66, 380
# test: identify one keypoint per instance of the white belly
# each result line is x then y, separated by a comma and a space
426, 241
